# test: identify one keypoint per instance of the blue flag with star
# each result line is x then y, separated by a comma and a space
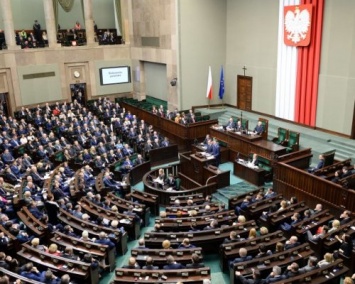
221, 85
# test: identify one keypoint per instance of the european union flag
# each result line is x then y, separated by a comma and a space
221, 85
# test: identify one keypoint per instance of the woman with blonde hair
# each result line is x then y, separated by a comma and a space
283, 205
335, 226
252, 233
328, 259
53, 249
166, 244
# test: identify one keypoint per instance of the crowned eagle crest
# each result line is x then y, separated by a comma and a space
297, 24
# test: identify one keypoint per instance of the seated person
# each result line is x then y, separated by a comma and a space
230, 125
346, 244
149, 264
239, 127
337, 176
233, 237
243, 256
255, 162
186, 244
244, 205
292, 242
328, 259
311, 264
172, 264
195, 262
275, 275
319, 165
259, 128
171, 182
292, 270
104, 240
31, 272
132, 264
296, 217
320, 233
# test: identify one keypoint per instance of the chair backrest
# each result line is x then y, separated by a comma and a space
177, 183
293, 138
329, 157
282, 134
265, 123
245, 122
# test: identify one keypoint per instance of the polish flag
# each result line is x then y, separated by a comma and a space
209, 84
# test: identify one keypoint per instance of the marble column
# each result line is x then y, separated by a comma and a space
89, 23
50, 23
9, 29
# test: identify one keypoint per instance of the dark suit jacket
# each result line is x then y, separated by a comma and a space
173, 266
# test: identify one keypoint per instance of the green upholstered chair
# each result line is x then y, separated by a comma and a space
265, 123
177, 183
282, 136
293, 141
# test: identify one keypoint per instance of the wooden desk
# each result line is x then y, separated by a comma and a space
255, 176
201, 148
198, 169
183, 135
246, 144
192, 276
164, 155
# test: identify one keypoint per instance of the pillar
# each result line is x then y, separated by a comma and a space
89, 23
50, 23
9, 29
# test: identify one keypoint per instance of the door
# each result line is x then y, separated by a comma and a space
78, 93
244, 92
4, 110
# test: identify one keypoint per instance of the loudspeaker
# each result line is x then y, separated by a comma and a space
173, 82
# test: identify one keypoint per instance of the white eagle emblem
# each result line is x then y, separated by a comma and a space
297, 24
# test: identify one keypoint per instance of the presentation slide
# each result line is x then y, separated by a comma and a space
115, 75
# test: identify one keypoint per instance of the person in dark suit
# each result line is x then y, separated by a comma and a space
259, 128
230, 125
255, 161
319, 165
186, 244
170, 181
256, 278
345, 172
292, 270
233, 237
104, 240
345, 217
132, 264
239, 127
149, 264
216, 152
172, 264
292, 242
195, 262
275, 275
243, 256
337, 176
31, 272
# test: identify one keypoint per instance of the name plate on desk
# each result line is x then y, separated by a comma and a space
185, 274
173, 236
217, 232
179, 253
190, 235
162, 253
204, 272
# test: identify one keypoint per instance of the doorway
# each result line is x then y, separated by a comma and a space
244, 92
78, 93
4, 106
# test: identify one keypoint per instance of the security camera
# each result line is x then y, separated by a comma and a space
173, 82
